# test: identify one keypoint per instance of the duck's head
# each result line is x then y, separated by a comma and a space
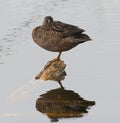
47, 21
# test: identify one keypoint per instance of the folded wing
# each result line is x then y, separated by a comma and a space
66, 29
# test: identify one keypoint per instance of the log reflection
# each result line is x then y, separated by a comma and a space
61, 103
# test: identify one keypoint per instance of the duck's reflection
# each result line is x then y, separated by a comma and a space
61, 103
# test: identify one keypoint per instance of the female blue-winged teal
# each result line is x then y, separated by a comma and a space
57, 36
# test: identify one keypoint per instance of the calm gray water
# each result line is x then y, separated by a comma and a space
93, 68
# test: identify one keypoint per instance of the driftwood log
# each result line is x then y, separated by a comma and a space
53, 70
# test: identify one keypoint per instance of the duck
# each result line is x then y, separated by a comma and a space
57, 36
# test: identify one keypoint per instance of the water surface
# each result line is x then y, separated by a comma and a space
92, 68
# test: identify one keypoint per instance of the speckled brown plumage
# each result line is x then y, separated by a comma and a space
57, 36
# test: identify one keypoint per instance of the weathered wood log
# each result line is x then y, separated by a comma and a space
53, 70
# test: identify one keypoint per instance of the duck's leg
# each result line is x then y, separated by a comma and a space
60, 84
58, 57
